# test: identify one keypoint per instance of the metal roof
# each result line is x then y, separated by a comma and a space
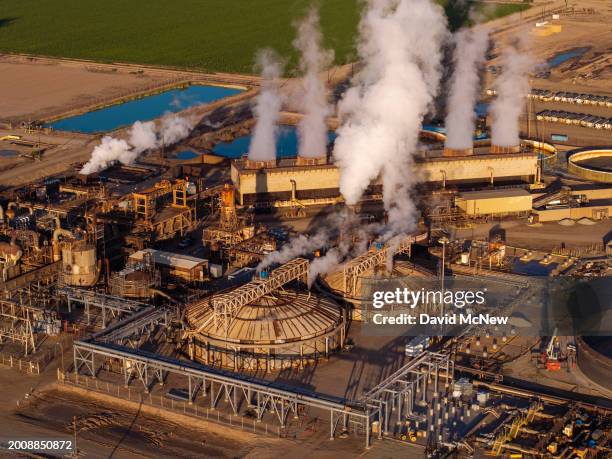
175, 260
494, 194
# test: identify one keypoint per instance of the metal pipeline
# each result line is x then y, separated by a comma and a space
155, 291
57, 232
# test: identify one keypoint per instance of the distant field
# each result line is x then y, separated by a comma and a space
211, 35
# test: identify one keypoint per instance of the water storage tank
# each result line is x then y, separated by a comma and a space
79, 264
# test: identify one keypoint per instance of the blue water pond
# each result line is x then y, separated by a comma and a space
186, 154
565, 56
143, 109
532, 268
286, 144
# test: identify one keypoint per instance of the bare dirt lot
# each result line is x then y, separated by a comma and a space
587, 25
38, 89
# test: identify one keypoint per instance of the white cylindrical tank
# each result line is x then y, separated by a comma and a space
79, 264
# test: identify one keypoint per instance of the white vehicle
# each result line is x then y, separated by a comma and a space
417, 345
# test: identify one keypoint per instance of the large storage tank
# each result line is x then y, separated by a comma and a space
79, 264
287, 329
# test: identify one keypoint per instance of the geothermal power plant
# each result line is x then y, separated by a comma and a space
215, 265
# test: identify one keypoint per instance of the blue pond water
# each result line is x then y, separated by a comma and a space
8, 153
560, 58
186, 154
286, 144
532, 268
144, 109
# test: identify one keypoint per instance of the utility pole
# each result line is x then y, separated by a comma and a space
443, 240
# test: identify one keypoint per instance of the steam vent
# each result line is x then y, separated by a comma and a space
262, 325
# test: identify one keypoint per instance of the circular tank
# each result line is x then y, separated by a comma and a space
594, 358
333, 283
79, 264
285, 329
133, 283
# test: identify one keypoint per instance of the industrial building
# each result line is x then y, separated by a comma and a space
284, 182
188, 268
516, 201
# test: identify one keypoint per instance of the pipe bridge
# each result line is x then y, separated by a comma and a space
109, 305
377, 255
240, 392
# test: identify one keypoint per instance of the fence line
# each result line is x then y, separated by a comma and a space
192, 410
27, 366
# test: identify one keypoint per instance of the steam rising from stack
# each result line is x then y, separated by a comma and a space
512, 87
267, 108
142, 136
312, 128
400, 46
469, 58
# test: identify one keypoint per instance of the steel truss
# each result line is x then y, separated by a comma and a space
20, 327
398, 393
226, 305
375, 257
110, 306
240, 392
136, 328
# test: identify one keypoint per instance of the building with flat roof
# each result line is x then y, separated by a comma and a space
174, 264
512, 201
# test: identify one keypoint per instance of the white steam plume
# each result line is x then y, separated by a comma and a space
400, 46
267, 108
109, 151
174, 128
512, 87
312, 128
142, 136
469, 58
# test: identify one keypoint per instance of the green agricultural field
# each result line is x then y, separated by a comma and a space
210, 35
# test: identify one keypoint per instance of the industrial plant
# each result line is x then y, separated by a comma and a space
212, 268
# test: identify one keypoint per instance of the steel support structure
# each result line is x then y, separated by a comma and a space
416, 383
110, 306
16, 324
238, 391
131, 331
226, 305
375, 257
